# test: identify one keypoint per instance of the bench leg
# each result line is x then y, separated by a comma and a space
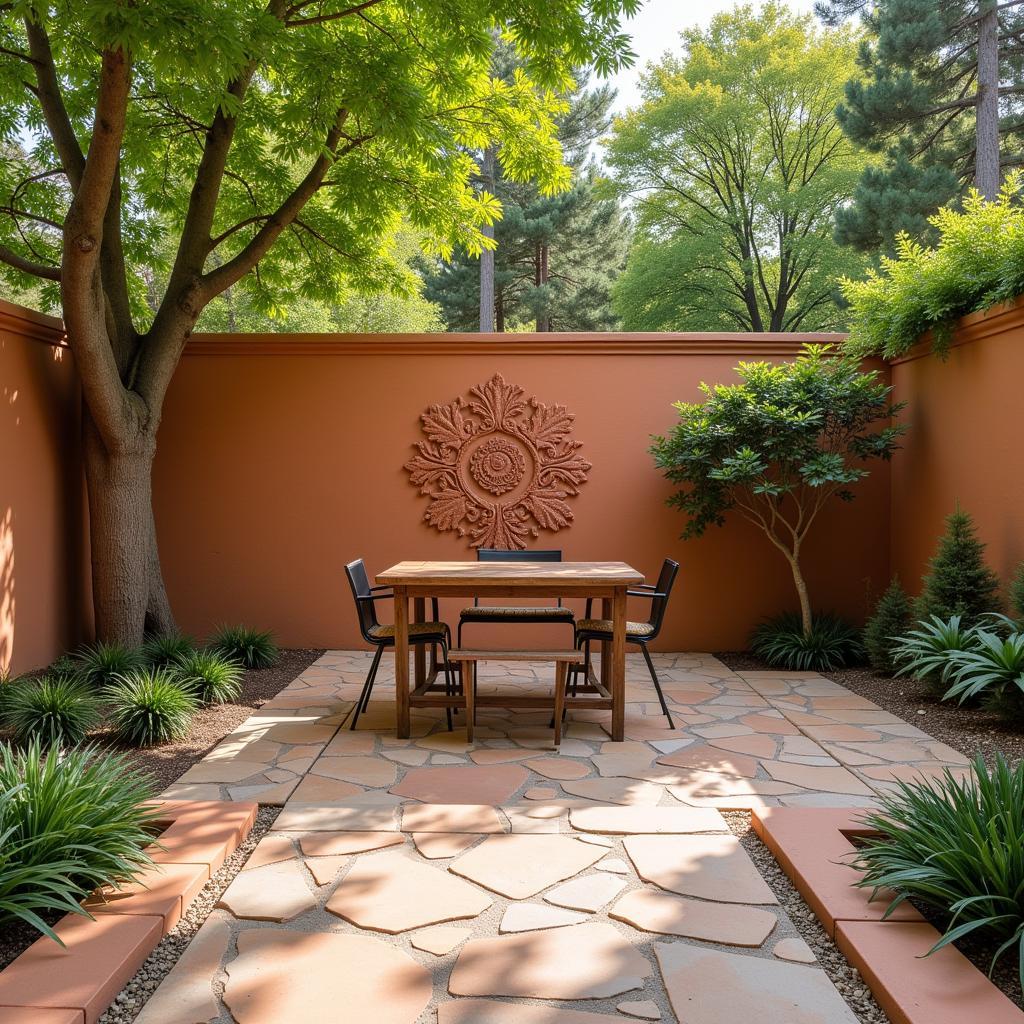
469, 691
560, 684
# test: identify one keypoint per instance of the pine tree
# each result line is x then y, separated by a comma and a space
958, 581
889, 621
556, 255
1017, 591
940, 97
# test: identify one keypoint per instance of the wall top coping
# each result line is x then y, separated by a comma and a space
971, 328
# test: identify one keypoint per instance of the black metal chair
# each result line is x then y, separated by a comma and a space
382, 636
638, 633
491, 613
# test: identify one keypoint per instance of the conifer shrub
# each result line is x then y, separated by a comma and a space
958, 581
1017, 592
889, 622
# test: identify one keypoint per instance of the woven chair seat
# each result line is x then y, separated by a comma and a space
555, 614
637, 629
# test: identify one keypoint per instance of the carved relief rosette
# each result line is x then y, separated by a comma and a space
498, 467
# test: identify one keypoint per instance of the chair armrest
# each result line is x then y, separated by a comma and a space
644, 593
375, 597
383, 586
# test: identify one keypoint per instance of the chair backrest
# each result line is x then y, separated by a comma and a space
360, 584
499, 555
666, 580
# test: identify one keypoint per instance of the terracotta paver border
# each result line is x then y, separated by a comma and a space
48, 984
812, 845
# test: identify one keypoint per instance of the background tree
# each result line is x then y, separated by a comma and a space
939, 96
556, 255
279, 142
777, 447
737, 167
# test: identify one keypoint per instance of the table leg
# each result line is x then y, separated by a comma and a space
618, 664
419, 614
469, 692
560, 683
606, 647
402, 725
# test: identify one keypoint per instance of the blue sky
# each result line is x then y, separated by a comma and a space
656, 29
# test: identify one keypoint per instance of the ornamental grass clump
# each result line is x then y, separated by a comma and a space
251, 648
830, 644
150, 706
955, 846
56, 712
68, 825
163, 649
992, 670
100, 663
211, 677
926, 651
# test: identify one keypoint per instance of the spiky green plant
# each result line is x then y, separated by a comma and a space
150, 706
251, 648
213, 678
955, 845
926, 652
993, 670
57, 712
100, 663
888, 622
68, 824
831, 643
162, 649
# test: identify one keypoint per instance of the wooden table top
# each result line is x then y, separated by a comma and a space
510, 574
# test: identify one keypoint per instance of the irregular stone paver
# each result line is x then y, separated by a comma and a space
291, 976
315, 789
440, 939
452, 818
270, 850
708, 986
633, 820
711, 759
711, 867
274, 892
558, 768
519, 866
469, 784
300, 817
498, 756
325, 869
438, 845
794, 949
614, 865
662, 912
337, 844
390, 892
616, 791
363, 771
584, 961
644, 1009
488, 1011
186, 995
589, 893
829, 780
528, 917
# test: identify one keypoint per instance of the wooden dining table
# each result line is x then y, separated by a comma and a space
608, 581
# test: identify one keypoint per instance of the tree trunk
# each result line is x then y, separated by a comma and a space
544, 317
487, 256
127, 585
986, 153
801, 593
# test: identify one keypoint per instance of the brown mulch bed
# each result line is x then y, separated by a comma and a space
971, 730
168, 762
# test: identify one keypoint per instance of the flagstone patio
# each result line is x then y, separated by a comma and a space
426, 880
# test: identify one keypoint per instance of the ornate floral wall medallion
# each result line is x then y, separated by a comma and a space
498, 466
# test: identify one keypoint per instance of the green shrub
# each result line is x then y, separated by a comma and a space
992, 669
150, 706
977, 262
831, 643
926, 652
68, 825
889, 622
163, 649
958, 582
1017, 592
251, 648
65, 667
955, 846
57, 712
213, 678
100, 663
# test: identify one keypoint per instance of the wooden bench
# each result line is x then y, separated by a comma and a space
467, 660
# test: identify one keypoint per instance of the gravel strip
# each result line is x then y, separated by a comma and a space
133, 996
845, 978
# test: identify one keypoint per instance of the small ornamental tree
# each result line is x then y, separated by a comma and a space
958, 581
1017, 591
157, 155
889, 621
777, 447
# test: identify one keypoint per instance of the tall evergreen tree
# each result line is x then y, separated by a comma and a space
940, 97
556, 255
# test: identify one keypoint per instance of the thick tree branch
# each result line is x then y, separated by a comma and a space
320, 19
26, 266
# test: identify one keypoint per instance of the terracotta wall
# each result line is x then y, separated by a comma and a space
42, 562
964, 444
281, 458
